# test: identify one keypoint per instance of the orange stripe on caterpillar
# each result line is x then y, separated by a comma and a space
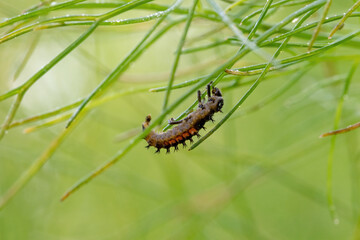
186, 128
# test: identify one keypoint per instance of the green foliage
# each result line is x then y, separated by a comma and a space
78, 74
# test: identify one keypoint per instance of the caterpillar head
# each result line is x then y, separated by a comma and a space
147, 122
216, 92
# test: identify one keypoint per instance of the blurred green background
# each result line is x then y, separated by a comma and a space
262, 175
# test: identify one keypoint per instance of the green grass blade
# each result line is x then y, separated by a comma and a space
277, 27
277, 4
10, 93
318, 27
10, 116
343, 19
37, 12
331, 204
63, 109
304, 28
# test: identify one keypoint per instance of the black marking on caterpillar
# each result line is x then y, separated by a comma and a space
188, 127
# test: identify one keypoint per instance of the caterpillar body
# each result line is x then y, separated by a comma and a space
188, 127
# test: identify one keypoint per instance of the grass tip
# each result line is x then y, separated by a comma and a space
28, 130
65, 196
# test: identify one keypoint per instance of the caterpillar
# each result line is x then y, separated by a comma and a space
188, 127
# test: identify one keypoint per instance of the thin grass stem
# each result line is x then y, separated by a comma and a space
10, 116
178, 53
330, 199
27, 56
343, 130
318, 27
343, 19
62, 117
38, 11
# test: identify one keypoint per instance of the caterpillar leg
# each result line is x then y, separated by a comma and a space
208, 87
172, 121
168, 150
199, 99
